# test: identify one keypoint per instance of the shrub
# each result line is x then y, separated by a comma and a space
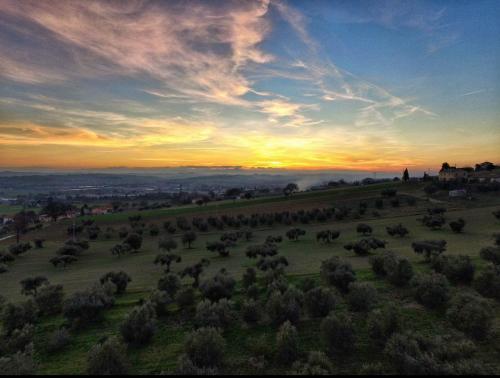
20, 248
431, 290
491, 254
459, 269
399, 270
377, 264
108, 358
364, 229
337, 332
287, 343
471, 314
18, 340
188, 238
205, 348
383, 323
87, 306
281, 307
249, 277
415, 354
20, 363
49, 299
16, 316
252, 292
160, 300
397, 230
170, 283
140, 325
134, 241
317, 363
307, 284
320, 301
185, 298
166, 259
365, 246
430, 248
58, 340
219, 286
63, 260
338, 273
217, 315
487, 283
362, 296
457, 226
30, 286
186, 367
251, 311
119, 279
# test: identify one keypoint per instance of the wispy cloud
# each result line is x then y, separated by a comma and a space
197, 51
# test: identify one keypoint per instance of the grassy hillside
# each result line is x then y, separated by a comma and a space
304, 257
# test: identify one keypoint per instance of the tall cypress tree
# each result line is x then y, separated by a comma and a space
406, 175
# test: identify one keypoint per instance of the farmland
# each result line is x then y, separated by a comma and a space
304, 258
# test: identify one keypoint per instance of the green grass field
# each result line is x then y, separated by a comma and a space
304, 256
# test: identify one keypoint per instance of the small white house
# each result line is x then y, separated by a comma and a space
458, 193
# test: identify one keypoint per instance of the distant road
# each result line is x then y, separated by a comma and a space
6, 237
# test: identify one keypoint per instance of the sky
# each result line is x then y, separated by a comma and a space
333, 84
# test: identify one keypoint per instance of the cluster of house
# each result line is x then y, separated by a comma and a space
484, 173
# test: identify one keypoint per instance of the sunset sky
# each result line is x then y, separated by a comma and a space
368, 85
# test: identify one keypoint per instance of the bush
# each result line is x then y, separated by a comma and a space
282, 307
431, 290
16, 316
170, 283
18, 340
20, 363
362, 296
399, 270
134, 241
383, 323
160, 300
487, 283
287, 343
139, 326
471, 314
249, 277
30, 286
119, 279
337, 332
338, 273
58, 340
491, 254
205, 348
185, 298
217, 315
49, 299
186, 367
219, 286
252, 292
320, 301
415, 354
457, 226
87, 306
251, 311
377, 264
459, 269
397, 230
108, 358
317, 363
307, 284
364, 229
